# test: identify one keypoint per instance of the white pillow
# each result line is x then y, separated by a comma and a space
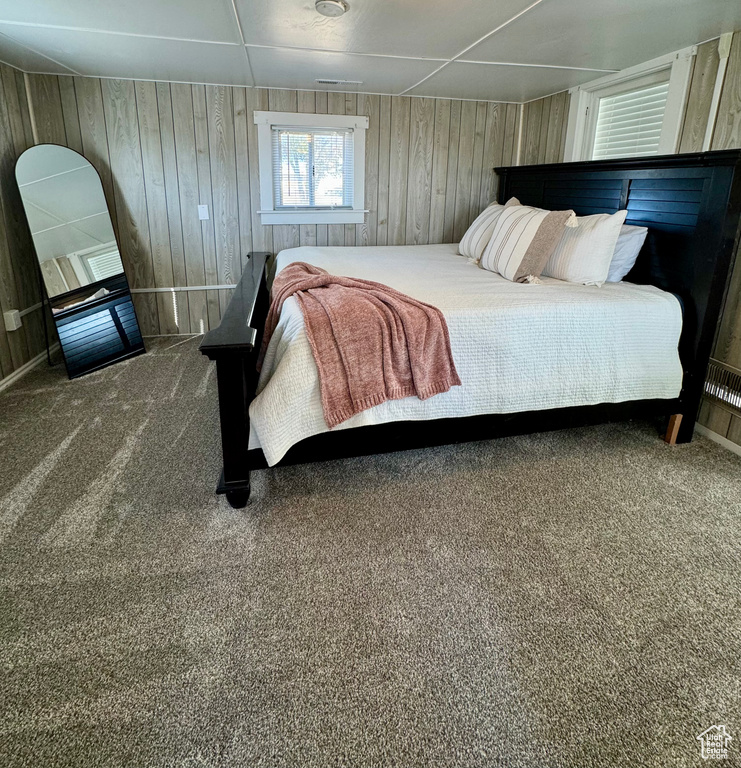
584, 253
629, 244
477, 236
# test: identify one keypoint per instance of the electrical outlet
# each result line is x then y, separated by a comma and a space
203, 212
12, 320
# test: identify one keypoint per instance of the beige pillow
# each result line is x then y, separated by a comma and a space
472, 244
523, 240
584, 253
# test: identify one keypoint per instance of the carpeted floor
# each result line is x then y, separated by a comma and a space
566, 599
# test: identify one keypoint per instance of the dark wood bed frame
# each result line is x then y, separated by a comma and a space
691, 205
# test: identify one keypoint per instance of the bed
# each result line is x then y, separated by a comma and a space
531, 357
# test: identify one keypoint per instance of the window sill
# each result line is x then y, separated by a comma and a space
312, 217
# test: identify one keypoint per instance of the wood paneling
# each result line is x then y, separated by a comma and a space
727, 134
164, 148
715, 418
702, 84
180, 302
129, 191
544, 129
734, 430
419, 185
19, 285
156, 201
440, 150
366, 233
398, 169
208, 235
50, 119
465, 169
728, 342
187, 174
532, 115
384, 154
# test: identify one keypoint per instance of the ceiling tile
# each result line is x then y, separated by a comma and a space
99, 54
605, 34
22, 58
499, 82
415, 28
191, 19
291, 68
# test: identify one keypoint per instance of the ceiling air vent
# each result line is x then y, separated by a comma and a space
323, 81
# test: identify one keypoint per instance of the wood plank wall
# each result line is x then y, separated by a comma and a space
19, 286
726, 135
544, 129
163, 148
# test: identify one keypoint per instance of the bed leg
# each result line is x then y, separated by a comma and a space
238, 499
235, 393
672, 432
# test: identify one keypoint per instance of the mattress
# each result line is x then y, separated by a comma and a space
517, 347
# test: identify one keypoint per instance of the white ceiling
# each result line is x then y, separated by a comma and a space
502, 50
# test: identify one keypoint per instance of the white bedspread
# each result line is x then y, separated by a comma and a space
516, 347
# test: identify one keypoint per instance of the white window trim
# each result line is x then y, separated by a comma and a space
265, 122
585, 99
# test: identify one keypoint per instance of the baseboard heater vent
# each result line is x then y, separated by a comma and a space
723, 385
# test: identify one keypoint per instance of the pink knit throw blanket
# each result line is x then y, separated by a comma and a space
370, 342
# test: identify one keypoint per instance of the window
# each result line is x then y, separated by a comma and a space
634, 113
312, 168
629, 124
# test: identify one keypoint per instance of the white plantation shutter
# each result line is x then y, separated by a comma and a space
312, 168
629, 124
105, 265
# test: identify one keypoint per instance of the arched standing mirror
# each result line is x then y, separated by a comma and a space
78, 257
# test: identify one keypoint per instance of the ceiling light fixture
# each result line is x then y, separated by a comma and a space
331, 8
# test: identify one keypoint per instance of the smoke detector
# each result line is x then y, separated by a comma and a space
331, 8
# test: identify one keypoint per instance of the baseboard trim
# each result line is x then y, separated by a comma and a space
170, 335
19, 373
716, 438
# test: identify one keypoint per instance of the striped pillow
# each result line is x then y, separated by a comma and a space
477, 235
523, 240
583, 254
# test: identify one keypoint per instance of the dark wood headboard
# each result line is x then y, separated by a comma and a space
691, 205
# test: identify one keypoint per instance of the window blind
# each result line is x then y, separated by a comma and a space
629, 124
312, 168
105, 265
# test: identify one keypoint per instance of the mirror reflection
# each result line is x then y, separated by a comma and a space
68, 216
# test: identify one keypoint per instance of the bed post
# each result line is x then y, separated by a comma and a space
234, 346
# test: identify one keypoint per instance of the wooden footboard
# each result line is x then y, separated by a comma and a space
234, 346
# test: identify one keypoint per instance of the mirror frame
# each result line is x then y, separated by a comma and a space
78, 317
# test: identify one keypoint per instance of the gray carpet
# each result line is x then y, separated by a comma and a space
566, 599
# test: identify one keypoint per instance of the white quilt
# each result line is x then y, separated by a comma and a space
517, 347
